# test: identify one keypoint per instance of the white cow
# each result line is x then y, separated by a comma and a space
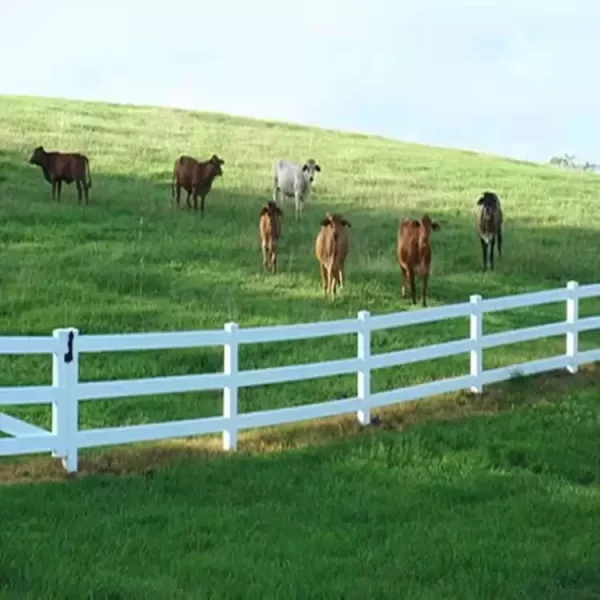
294, 181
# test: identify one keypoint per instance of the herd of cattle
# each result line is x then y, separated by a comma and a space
291, 180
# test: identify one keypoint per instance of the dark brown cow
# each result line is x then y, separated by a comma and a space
68, 167
195, 178
489, 226
413, 251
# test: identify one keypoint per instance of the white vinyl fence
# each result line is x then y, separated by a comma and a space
65, 439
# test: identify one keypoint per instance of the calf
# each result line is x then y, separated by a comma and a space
195, 178
489, 226
270, 230
331, 249
294, 181
413, 251
68, 167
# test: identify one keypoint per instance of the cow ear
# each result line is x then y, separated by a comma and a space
346, 223
480, 201
264, 210
325, 222
436, 226
317, 168
305, 168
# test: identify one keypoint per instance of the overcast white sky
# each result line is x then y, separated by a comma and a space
512, 77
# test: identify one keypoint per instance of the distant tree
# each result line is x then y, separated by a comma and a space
567, 161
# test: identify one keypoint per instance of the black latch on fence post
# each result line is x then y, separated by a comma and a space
69, 353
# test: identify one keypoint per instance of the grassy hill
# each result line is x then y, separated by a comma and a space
482, 507
131, 262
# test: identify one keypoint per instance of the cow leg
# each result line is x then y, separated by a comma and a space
413, 288
78, 185
297, 202
404, 280
492, 244
332, 281
53, 190
195, 199
483, 253
58, 188
189, 204
178, 194
264, 255
274, 259
341, 278
500, 240
324, 278
424, 282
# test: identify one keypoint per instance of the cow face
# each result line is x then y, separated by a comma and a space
336, 222
37, 158
309, 169
270, 208
428, 225
216, 162
488, 206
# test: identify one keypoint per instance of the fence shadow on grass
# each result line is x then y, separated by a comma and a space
150, 458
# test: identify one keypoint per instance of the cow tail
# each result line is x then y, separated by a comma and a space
89, 173
173, 182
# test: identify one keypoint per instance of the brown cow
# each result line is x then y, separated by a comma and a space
68, 167
489, 226
270, 231
413, 251
195, 178
331, 249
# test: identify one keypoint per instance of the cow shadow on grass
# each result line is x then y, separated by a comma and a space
533, 258
217, 258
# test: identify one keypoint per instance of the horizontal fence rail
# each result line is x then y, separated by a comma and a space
66, 391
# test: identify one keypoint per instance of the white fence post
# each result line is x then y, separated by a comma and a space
230, 392
476, 326
572, 323
65, 408
364, 373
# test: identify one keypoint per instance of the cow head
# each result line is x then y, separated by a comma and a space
37, 158
488, 205
309, 168
216, 162
270, 208
428, 225
336, 222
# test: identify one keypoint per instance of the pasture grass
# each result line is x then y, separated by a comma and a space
489, 497
131, 262
478, 506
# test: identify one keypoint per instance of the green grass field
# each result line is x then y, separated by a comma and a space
491, 497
